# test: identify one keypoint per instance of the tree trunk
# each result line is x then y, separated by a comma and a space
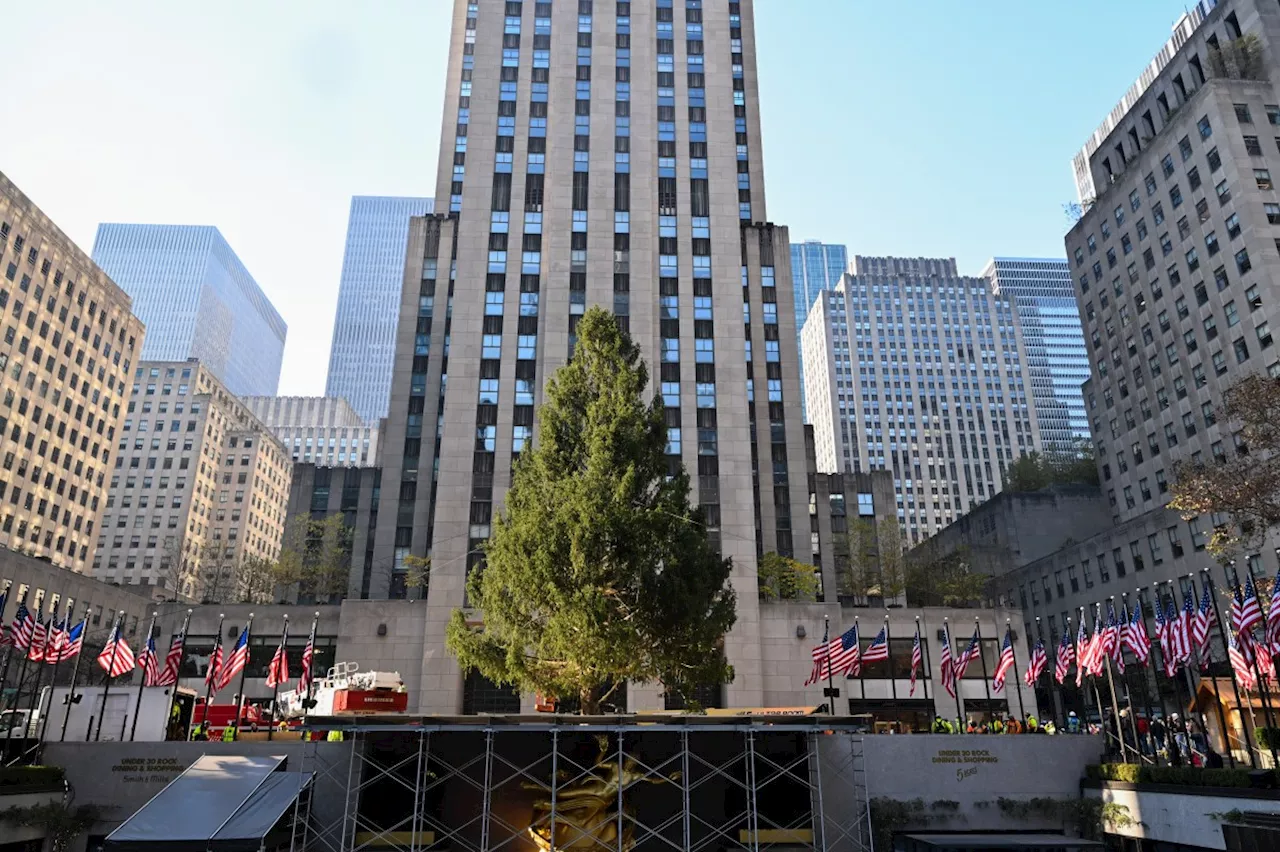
587, 703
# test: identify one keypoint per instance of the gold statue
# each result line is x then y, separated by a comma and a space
586, 811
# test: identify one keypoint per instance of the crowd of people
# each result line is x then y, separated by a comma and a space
1005, 724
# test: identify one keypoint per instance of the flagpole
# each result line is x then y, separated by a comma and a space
826, 639
862, 683
924, 652
888, 646
1213, 679
946, 630
986, 683
1008, 632
106, 690
4, 672
22, 669
211, 677
1057, 710
1111, 682
244, 670
1122, 630
1142, 675
142, 682
284, 641
1263, 693
75, 673
1206, 577
1262, 684
44, 655
53, 679
1093, 681
1192, 677
173, 688
1253, 714
311, 675
1177, 681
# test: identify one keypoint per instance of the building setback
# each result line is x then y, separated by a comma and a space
605, 154
914, 369
70, 342
197, 300
1056, 355
320, 429
815, 267
200, 487
364, 328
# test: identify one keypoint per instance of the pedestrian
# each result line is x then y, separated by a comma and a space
1073, 723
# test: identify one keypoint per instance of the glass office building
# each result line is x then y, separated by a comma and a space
197, 300
364, 329
1054, 340
815, 267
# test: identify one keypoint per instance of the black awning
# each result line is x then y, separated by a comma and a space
221, 802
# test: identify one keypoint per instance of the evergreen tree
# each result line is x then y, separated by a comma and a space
598, 570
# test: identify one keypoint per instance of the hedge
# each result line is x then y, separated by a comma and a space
1187, 776
31, 776
1268, 737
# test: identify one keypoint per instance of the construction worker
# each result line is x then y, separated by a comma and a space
197, 731
335, 736
229, 733
1033, 726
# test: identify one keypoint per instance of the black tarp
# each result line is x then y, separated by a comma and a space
221, 802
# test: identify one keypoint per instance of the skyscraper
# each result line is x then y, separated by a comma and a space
815, 267
197, 300
65, 364
609, 154
1054, 340
364, 329
912, 368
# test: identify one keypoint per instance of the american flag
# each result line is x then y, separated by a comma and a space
19, 633
1003, 664
1273, 617
149, 664
1135, 635
878, 650
57, 641
278, 671
1241, 663
212, 674
1095, 656
969, 654
1163, 639
1179, 631
917, 657
116, 657
948, 667
1066, 653
1265, 666
1201, 622
1082, 651
39, 635
308, 659
172, 661
1250, 612
831, 658
1114, 645
236, 660
75, 641
1036, 664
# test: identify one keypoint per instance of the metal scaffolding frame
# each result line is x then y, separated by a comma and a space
490, 784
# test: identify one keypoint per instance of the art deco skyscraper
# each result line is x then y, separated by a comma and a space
594, 153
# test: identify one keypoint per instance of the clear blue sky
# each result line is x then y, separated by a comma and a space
929, 128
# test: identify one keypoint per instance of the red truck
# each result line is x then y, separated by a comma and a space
220, 715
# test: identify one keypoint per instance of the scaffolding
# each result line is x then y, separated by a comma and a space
663, 782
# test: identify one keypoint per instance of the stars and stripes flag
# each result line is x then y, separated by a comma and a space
1082, 651
278, 671
236, 660
917, 658
212, 675
1164, 638
172, 661
948, 666
1096, 653
1273, 617
1113, 644
1066, 653
1186, 623
1241, 664
1265, 666
1179, 631
1004, 663
830, 658
148, 662
39, 636
19, 633
1135, 635
75, 641
1036, 663
1201, 623
57, 641
878, 650
1250, 611
969, 654
308, 660
116, 657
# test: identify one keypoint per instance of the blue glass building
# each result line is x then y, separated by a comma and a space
1054, 340
364, 330
197, 300
815, 267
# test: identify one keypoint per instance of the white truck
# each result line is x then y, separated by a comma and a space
346, 691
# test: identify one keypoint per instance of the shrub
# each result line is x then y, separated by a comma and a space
1186, 776
1268, 737
31, 776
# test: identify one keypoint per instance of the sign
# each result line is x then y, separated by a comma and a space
370, 701
967, 761
147, 770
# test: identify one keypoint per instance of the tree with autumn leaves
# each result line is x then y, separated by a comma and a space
1244, 485
598, 571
